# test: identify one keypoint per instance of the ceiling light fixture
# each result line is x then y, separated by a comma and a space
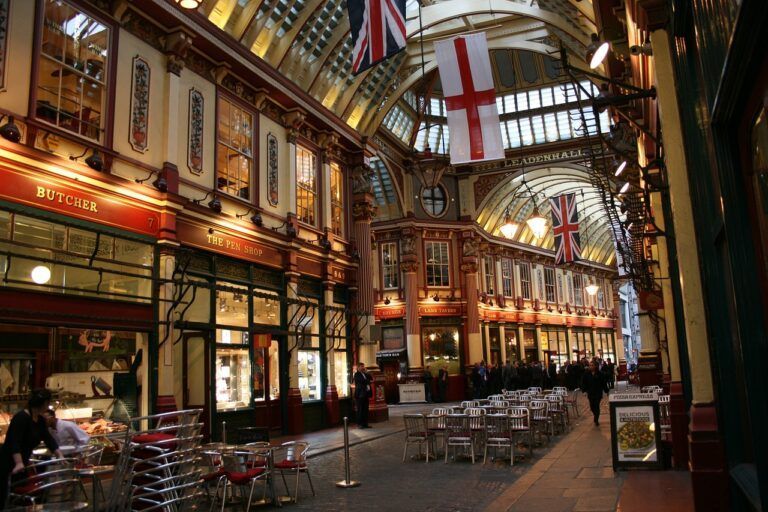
624, 188
591, 289
510, 227
537, 222
620, 169
597, 51
189, 4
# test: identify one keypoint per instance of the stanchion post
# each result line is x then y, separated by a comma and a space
224, 432
347, 482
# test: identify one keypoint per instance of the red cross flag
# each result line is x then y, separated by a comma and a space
470, 98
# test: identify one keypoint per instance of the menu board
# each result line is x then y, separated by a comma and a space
635, 433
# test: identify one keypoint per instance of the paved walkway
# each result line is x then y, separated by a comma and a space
573, 473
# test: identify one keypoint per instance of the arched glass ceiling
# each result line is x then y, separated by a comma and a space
308, 41
384, 191
513, 197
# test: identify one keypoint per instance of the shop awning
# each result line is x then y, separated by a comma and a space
390, 354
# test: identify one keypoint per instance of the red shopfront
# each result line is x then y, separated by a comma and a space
77, 309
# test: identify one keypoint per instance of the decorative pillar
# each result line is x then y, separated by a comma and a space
540, 349
409, 265
363, 211
469, 269
487, 342
503, 343
520, 342
177, 44
295, 417
332, 413
169, 370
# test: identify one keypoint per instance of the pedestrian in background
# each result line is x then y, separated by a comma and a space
363, 391
594, 385
442, 383
427, 384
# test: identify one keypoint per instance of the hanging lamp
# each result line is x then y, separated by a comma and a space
510, 227
537, 223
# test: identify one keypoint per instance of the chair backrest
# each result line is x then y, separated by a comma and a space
555, 403
497, 425
559, 388
441, 411
415, 425
664, 399
55, 482
539, 409
534, 389
456, 425
519, 418
234, 463
475, 411
495, 398
469, 403
296, 450
501, 404
90, 455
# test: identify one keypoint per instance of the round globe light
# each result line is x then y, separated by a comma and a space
41, 274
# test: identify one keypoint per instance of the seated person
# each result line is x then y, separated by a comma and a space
66, 433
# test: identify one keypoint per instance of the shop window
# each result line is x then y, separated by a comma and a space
56, 258
525, 280
337, 200
578, 289
549, 284
234, 150
309, 374
569, 280
441, 349
438, 264
72, 72
338, 369
600, 298
233, 376
232, 307
266, 368
506, 277
306, 186
540, 284
392, 337
266, 310
195, 301
489, 274
390, 270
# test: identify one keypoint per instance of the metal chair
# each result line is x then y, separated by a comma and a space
436, 422
416, 431
240, 471
498, 435
51, 481
291, 458
520, 424
558, 412
458, 433
540, 419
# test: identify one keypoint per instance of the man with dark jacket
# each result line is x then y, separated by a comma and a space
363, 391
552, 373
442, 383
594, 385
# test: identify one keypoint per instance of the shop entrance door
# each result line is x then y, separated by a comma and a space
196, 376
390, 369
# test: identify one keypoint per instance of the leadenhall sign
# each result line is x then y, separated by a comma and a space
555, 156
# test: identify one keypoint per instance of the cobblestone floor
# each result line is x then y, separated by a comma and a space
388, 484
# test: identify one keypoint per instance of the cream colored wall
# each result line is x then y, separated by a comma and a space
187, 81
128, 48
285, 180
14, 97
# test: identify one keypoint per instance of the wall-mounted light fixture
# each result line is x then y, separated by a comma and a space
94, 161
387, 301
159, 183
255, 218
214, 204
10, 131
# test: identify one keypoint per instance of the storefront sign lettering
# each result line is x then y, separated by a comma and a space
390, 312
440, 310
67, 199
235, 245
214, 240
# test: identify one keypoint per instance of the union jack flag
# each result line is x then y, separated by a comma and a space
565, 226
378, 31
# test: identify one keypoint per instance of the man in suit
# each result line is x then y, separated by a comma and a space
594, 385
363, 391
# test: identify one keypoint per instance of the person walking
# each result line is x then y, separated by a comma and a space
27, 428
506, 376
594, 385
552, 374
442, 383
428, 384
363, 391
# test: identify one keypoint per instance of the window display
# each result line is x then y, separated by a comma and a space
233, 378
266, 369
309, 374
441, 348
266, 311
232, 307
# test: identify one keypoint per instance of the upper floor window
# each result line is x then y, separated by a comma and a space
525, 279
549, 284
337, 199
600, 294
306, 186
578, 290
506, 277
489, 274
438, 264
434, 200
72, 70
389, 266
234, 150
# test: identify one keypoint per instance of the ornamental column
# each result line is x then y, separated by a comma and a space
409, 265
363, 211
469, 249
295, 417
503, 343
